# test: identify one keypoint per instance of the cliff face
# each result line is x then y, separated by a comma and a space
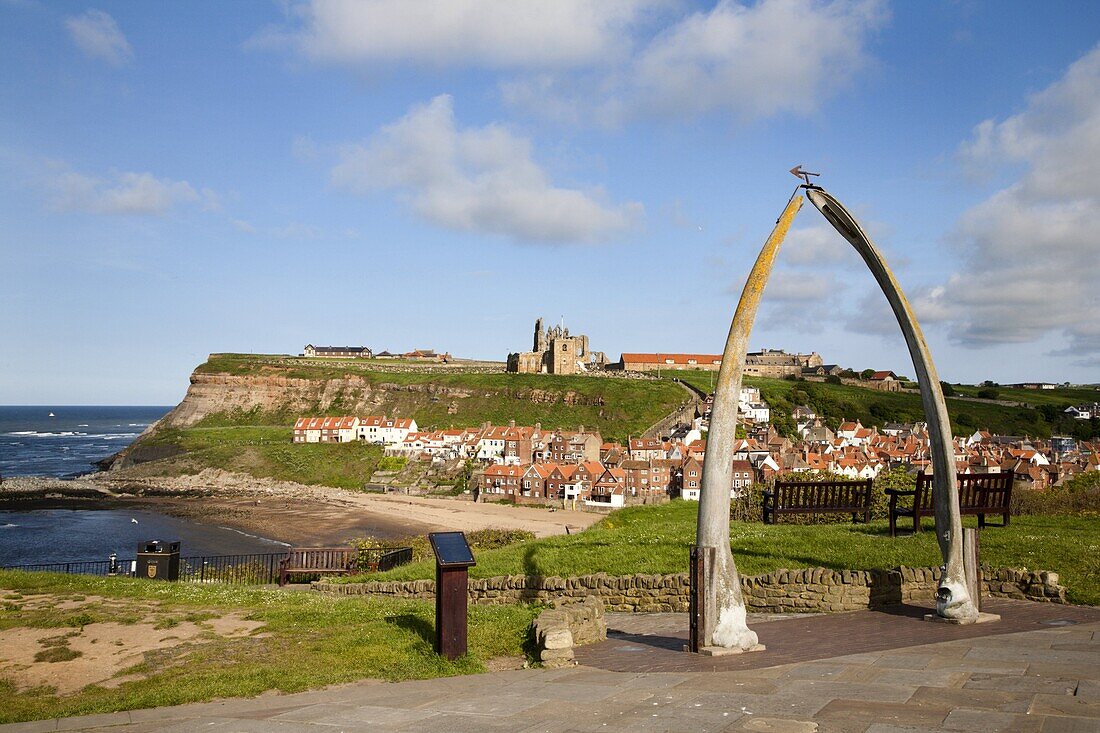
242, 391
211, 394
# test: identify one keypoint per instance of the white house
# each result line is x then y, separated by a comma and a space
490, 444
370, 428
394, 430
1081, 412
758, 412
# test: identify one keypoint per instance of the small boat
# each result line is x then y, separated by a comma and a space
51, 415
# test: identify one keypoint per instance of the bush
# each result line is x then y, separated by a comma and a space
749, 506
988, 393
1078, 496
479, 539
392, 463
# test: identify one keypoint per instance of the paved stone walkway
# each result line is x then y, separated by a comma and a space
1031, 673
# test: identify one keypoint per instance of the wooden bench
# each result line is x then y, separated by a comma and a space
818, 497
318, 561
979, 494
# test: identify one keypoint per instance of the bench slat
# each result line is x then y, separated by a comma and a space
979, 494
815, 497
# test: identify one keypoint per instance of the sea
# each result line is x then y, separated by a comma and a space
64, 442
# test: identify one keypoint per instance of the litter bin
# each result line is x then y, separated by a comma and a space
158, 560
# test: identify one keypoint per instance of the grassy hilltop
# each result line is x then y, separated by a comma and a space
441, 397
1039, 415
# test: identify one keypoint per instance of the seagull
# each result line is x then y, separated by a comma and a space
133, 520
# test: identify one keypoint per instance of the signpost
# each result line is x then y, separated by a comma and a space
452, 558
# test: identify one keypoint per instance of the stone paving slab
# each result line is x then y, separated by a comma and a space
1022, 676
648, 646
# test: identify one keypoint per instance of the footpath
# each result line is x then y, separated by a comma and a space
1037, 671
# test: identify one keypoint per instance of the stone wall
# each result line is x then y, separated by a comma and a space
559, 629
783, 591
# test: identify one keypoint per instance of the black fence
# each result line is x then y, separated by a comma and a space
254, 569
80, 567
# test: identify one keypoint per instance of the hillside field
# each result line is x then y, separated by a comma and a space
1041, 418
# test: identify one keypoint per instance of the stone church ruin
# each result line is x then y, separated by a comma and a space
555, 351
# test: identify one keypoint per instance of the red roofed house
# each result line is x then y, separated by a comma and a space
326, 429
609, 490
501, 479
654, 362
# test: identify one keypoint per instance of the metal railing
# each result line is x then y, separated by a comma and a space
79, 567
248, 569
253, 569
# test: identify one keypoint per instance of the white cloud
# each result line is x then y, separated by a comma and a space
813, 246
754, 61
609, 61
125, 193
1031, 252
801, 287
97, 34
492, 33
797, 299
479, 179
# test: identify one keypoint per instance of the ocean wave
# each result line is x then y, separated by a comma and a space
36, 434
115, 436
82, 425
8, 525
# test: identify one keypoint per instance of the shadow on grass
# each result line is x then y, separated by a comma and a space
806, 560
533, 579
411, 622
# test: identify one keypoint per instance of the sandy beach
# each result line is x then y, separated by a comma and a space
289, 512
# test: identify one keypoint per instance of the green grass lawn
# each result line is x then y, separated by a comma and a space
655, 540
306, 640
267, 452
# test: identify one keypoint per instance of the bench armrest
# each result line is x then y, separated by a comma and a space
901, 492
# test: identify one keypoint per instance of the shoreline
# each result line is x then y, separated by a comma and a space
288, 512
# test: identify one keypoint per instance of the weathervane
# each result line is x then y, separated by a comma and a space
797, 172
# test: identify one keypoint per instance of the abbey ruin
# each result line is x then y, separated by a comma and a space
555, 351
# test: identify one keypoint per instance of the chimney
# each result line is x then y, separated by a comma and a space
511, 423
580, 429
538, 427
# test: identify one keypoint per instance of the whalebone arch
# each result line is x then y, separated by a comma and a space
725, 614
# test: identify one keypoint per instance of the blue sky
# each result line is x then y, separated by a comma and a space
179, 179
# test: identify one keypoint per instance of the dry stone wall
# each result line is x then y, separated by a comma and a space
559, 629
805, 590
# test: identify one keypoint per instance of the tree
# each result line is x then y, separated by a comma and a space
867, 374
833, 379
948, 390
988, 393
